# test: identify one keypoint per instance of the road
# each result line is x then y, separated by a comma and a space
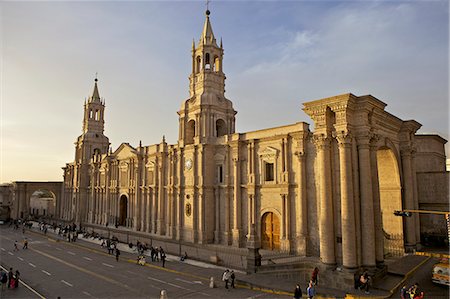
423, 277
69, 270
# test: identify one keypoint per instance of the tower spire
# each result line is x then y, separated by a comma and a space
207, 37
95, 94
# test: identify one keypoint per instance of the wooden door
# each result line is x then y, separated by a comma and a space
270, 232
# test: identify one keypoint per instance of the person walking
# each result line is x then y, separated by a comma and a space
364, 282
16, 277
310, 291
117, 254
226, 277
297, 292
315, 276
25, 244
232, 277
15, 246
10, 276
3, 279
163, 258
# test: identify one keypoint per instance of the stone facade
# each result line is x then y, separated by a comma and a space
328, 193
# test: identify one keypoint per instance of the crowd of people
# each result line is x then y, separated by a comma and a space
413, 292
9, 280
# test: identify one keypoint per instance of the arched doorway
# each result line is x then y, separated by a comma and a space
390, 201
123, 210
270, 231
42, 204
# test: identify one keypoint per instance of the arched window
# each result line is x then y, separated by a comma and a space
198, 65
207, 62
90, 113
221, 128
190, 132
97, 115
217, 64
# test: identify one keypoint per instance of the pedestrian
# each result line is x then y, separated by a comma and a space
404, 293
315, 276
297, 292
16, 277
117, 254
3, 279
226, 277
163, 258
232, 277
10, 276
25, 244
414, 292
364, 282
310, 291
15, 246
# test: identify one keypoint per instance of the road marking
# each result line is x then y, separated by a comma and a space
120, 284
3, 249
168, 283
131, 272
69, 284
198, 282
87, 294
256, 296
32, 265
70, 252
20, 258
87, 258
108, 265
49, 274
10, 253
185, 281
58, 248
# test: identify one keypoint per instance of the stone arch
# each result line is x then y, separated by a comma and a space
221, 128
390, 190
20, 206
42, 203
190, 132
123, 210
270, 230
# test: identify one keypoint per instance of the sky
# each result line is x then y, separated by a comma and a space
278, 55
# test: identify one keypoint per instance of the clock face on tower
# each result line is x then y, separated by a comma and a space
188, 164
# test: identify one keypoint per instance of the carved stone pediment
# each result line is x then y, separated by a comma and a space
268, 153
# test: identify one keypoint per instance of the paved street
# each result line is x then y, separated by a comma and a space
69, 270
423, 277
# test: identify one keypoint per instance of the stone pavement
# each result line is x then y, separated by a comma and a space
258, 281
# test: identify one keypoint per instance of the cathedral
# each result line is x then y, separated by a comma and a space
328, 193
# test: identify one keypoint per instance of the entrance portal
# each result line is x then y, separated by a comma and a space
42, 204
123, 210
390, 201
270, 232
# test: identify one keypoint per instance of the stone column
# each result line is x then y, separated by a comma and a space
250, 212
180, 212
237, 203
226, 233
217, 215
326, 219
367, 211
408, 186
301, 206
283, 217
416, 197
378, 222
349, 255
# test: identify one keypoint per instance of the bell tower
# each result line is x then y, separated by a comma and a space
207, 114
92, 140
